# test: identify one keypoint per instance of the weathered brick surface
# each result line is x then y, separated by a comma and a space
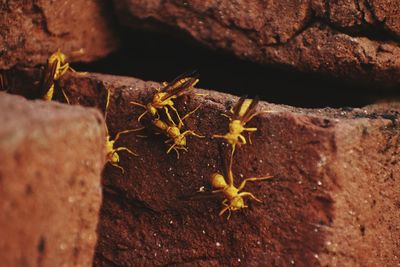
333, 201
51, 156
356, 40
31, 30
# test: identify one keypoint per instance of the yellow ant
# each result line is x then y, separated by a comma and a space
162, 99
112, 152
234, 199
55, 68
173, 132
242, 112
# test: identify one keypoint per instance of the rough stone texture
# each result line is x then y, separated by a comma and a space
353, 39
31, 30
333, 202
51, 156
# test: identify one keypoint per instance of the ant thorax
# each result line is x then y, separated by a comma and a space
158, 96
173, 132
231, 192
157, 100
237, 203
235, 127
109, 146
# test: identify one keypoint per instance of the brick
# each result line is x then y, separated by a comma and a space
349, 39
52, 156
333, 201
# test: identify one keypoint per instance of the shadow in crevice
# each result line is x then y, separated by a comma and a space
161, 57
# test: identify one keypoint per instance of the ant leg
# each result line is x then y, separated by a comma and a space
199, 94
258, 113
140, 105
137, 104
171, 147
80, 51
187, 115
118, 135
218, 136
243, 139
227, 208
197, 135
223, 114
229, 215
169, 116
77, 72
177, 115
248, 194
125, 149
191, 112
217, 191
224, 209
119, 167
65, 96
230, 173
253, 115
107, 104
63, 69
141, 116
251, 129
177, 153
243, 184
192, 133
71, 69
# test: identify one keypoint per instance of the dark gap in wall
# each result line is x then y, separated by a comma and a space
162, 57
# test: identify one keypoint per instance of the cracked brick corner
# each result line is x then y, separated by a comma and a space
32, 30
355, 40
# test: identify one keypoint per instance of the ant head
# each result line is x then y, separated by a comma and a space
58, 55
180, 141
152, 110
218, 181
61, 56
114, 157
237, 203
